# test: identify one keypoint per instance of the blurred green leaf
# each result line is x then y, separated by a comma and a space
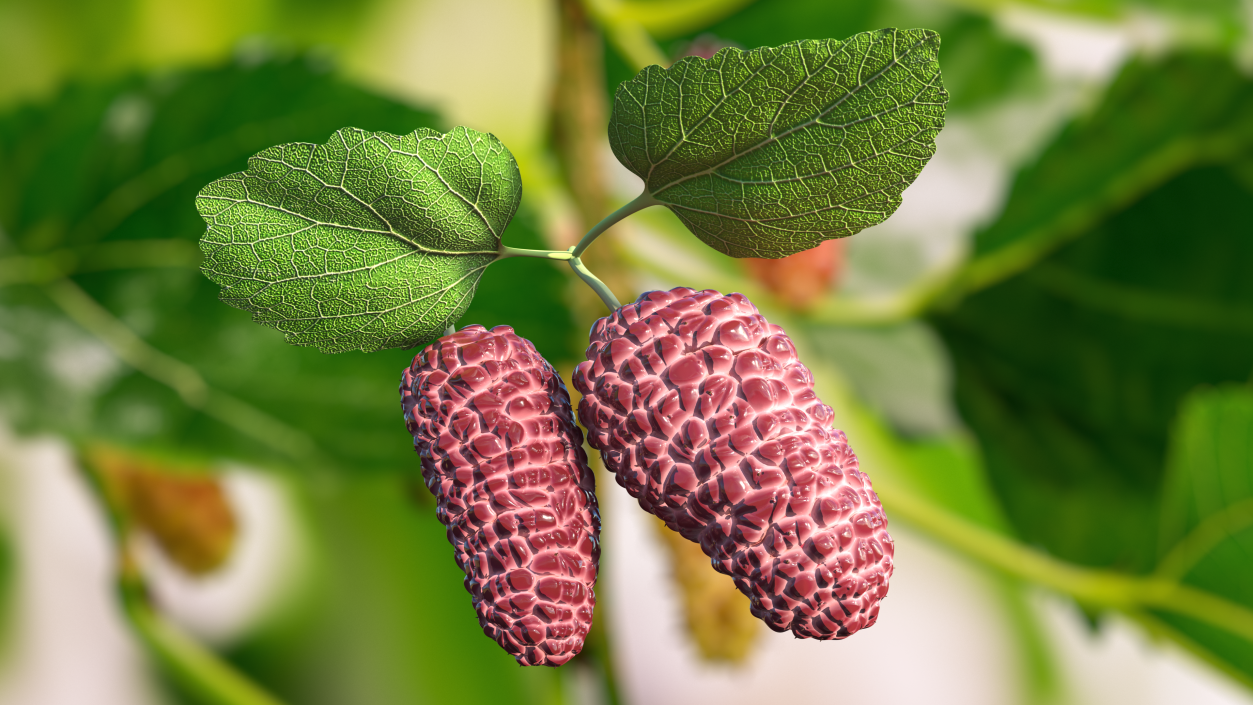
769, 152
775, 22
1209, 477
1119, 286
366, 242
1158, 119
981, 64
119, 165
1071, 373
1207, 511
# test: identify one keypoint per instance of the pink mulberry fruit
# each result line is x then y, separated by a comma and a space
703, 412
503, 456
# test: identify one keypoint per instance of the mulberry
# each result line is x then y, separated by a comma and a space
704, 414
500, 451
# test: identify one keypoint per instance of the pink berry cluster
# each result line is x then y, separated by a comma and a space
500, 451
704, 414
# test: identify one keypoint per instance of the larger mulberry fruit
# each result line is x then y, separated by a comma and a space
703, 412
500, 451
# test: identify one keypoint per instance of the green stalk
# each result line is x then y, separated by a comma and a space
197, 669
559, 255
1097, 588
597, 285
642, 201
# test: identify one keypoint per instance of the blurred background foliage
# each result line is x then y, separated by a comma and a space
1067, 381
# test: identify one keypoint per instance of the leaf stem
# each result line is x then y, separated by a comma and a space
597, 285
194, 667
507, 252
642, 201
1099, 588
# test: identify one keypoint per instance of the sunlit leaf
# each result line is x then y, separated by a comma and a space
769, 152
369, 241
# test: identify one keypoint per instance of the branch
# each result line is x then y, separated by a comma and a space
1098, 588
195, 668
182, 377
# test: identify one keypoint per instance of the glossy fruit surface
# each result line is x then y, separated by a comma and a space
504, 458
703, 412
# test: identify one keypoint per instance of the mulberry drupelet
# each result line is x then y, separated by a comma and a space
503, 456
703, 412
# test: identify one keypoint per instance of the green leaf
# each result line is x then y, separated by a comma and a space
1070, 366
1207, 511
1209, 477
1071, 373
1158, 119
768, 152
367, 242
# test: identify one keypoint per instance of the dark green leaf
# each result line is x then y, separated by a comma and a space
367, 242
1159, 118
1128, 288
1071, 373
769, 152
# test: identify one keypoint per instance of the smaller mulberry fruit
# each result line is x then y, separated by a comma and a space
500, 451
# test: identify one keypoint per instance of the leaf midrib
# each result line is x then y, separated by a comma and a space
314, 223
774, 138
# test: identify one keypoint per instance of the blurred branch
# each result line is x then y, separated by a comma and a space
902, 306
120, 254
1040, 680
193, 667
184, 379
1159, 629
1216, 528
627, 35
1093, 587
668, 18
1032, 245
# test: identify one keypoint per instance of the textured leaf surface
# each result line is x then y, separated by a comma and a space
369, 241
62, 170
769, 152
